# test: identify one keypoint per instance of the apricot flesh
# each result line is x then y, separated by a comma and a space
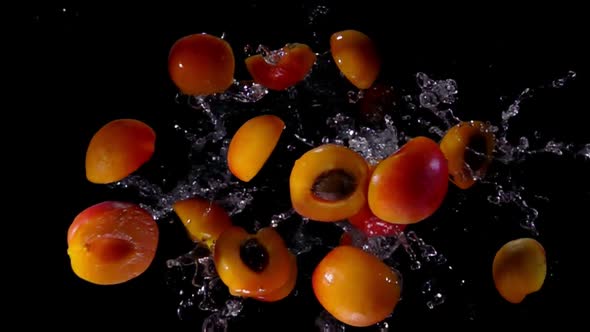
468, 147
252, 145
286, 289
410, 185
328, 183
204, 220
356, 56
112, 242
290, 65
519, 269
252, 265
201, 64
118, 149
356, 287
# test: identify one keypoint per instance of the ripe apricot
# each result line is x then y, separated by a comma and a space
204, 220
468, 147
328, 183
252, 145
288, 66
356, 56
519, 269
118, 149
411, 184
201, 64
112, 242
356, 287
366, 221
252, 265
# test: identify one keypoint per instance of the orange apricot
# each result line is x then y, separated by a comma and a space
286, 289
204, 220
288, 66
201, 64
410, 185
468, 147
112, 242
519, 269
118, 149
328, 183
252, 265
252, 145
356, 287
356, 56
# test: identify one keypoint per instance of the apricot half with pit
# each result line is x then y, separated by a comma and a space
328, 183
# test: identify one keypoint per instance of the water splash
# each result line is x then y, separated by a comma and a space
327, 323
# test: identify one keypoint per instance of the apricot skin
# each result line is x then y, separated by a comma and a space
313, 163
112, 242
454, 146
203, 220
356, 56
371, 225
118, 149
519, 269
201, 64
237, 276
294, 64
356, 287
252, 145
410, 185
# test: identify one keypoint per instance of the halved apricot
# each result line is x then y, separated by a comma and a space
112, 242
252, 145
328, 183
252, 265
410, 185
356, 56
356, 287
468, 147
283, 291
201, 64
288, 66
204, 220
118, 149
367, 222
519, 269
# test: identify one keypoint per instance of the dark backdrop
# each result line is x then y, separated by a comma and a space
94, 64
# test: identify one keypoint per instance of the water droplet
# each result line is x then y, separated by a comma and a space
424, 82
428, 99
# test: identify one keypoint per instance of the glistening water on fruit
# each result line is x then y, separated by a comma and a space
264, 174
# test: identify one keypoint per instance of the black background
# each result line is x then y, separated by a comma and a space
90, 65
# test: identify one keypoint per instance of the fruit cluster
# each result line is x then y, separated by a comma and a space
113, 242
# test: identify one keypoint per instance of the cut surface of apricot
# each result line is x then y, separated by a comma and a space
201, 64
356, 56
519, 269
252, 265
252, 145
283, 68
118, 149
356, 287
112, 242
328, 183
410, 185
286, 289
204, 220
468, 147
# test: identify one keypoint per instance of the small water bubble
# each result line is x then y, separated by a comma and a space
571, 74
585, 151
291, 147
406, 117
512, 111
383, 327
438, 299
558, 83
554, 147
354, 96
428, 99
523, 143
214, 323
526, 94
416, 265
424, 82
